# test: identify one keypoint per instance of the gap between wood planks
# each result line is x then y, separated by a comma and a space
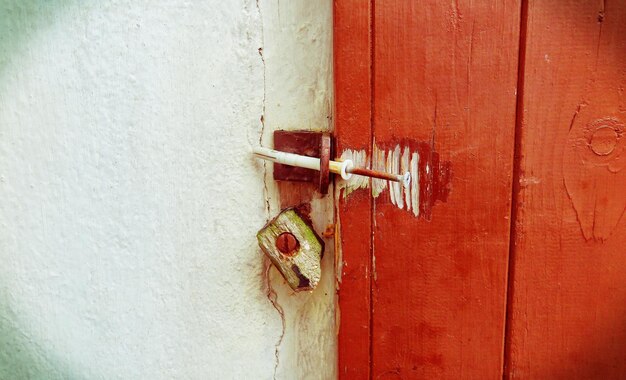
515, 185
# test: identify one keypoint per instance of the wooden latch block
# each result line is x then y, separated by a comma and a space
294, 248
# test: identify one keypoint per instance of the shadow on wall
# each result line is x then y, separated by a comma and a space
22, 356
21, 20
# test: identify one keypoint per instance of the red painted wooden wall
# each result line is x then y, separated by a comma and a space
515, 265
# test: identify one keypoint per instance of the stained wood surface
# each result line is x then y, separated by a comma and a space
567, 312
352, 61
445, 75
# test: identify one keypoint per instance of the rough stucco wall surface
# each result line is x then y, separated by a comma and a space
129, 201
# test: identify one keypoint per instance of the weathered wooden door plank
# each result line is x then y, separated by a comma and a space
352, 43
567, 312
445, 79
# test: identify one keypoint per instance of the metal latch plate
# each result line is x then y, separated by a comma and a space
306, 143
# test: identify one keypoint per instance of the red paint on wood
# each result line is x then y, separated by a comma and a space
352, 59
445, 73
295, 193
567, 312
593, 164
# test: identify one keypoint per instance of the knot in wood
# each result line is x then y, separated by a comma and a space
603, 141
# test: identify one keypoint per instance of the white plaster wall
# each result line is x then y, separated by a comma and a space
129, 201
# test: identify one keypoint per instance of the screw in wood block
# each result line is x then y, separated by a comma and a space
287, 244
294, 248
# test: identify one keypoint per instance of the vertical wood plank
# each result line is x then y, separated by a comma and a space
568, 287
352, 57
445, 74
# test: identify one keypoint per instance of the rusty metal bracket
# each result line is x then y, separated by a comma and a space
306, 157
305, 143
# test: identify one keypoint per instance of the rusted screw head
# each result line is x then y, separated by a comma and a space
287, 244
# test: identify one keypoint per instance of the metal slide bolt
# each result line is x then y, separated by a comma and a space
344, 168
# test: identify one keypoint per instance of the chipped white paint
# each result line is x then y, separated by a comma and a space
359, 159
121, 124
397, 160
527, 181
378, 163
404, 167
395, 188
415, 183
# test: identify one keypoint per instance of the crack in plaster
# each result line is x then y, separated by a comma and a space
272, 296
265, 189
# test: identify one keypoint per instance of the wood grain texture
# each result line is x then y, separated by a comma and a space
445, 73
567, 312
352, 116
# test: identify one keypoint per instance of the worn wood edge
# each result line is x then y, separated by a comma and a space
352, 48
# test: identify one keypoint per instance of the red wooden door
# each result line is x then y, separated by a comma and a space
485, 103
567, 308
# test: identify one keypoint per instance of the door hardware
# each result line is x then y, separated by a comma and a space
294, 248
311, 151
